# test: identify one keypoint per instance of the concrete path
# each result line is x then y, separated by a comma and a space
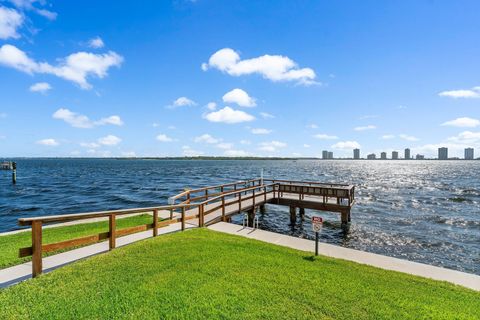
16, 274
388, 263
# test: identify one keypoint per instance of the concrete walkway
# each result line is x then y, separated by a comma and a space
18, 273
388, 263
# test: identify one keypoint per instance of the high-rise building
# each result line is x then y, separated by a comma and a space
420, 157
330, 155
407, 154
371, 156
468, 153
443, 153
324, 154
356, 154
394, 155
383, 156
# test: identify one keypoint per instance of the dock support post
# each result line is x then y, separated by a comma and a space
262, 208
345, 217
302, 213
14, 172
251, 217
293, 215
37, 248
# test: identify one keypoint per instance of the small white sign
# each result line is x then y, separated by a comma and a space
317, 224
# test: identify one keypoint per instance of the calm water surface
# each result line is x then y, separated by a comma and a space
426, 211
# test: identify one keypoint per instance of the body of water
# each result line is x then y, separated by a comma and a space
425, 211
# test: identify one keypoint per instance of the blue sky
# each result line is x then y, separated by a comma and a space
270, 78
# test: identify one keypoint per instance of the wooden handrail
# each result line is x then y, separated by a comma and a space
37, 248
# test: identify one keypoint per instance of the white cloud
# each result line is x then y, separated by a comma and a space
462, 93
229, 115
260, 131
323, 136
206, 138
388, 136
239, 97
463, 122
312, 126
48, 142
90, 145
109, 140
225, 145
266, 115
272, 146
466, 137
182, 102
41, 87
10, 21
245, 142
343, 145
368, 116
272, 67
96, 43
164, 138
306, 145
28, 5
76, 67
189, 152
408, 138
77, 120
212, 106
363, 128
129, 154
236, 153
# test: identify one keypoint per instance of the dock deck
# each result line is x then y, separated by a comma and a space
201, 207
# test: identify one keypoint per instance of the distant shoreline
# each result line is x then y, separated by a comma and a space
221, 158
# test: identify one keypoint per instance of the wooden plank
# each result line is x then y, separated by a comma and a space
37, 267
111, 230
75, 242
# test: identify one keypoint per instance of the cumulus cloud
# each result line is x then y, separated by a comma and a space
272, 67
41, 87
182, 102
236, 153
164, 138
388, 136
239, 97
77, 120
466, 137
266, 115
96, 43
463, 122
206, 138
212, 106
29, 6
229, 115
10, 21
272, 146
312, 126
225, 145
260, 131
363, 128
462, 93
189, 152
48, 142
76, 67
408, 137
323, 136
344, 145
109, 140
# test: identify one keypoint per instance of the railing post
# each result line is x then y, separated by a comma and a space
112, 227
188, 197
240, 202
171, 213
223, 209
183, 218
265, 194
202, 222
235, 189
253, 199
37, 267
206, 194
155, 222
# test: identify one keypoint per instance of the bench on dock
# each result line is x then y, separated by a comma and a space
201, 207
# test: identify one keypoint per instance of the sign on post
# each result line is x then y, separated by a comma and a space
317, 224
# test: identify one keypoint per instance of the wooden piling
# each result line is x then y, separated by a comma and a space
302, 213
262, 208
293, 215
251, 217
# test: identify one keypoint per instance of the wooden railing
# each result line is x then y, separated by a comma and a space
211, 199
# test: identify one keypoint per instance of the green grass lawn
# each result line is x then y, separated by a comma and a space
10, 244
202, 274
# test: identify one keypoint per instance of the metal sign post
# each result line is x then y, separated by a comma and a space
317, 224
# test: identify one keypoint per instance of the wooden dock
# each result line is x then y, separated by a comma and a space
202, 207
